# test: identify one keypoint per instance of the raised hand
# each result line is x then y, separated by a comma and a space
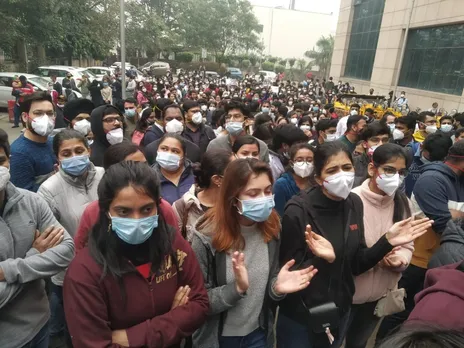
320, 246
405, 231
240, 272
292, 281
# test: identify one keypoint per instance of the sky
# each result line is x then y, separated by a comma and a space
325, 6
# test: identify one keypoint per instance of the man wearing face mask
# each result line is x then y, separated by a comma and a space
325, 130
355, 125
427, 125
130, 114
237, 113
446, 125
195, 130
174, 122
32, 158
77, 116
33, 246
156, 131
342, 123
107, 125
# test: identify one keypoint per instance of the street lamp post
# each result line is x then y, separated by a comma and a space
123, 49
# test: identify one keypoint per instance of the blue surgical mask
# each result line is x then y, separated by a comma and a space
76, 165
257, 209
168, 161
105, 84
265, 109
134, 231
234, 128
130, 112
316, 108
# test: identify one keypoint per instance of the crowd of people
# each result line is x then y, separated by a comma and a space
207, 212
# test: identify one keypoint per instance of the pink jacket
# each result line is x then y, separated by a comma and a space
378, 218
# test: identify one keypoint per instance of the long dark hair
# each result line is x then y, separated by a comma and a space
104, 245
142, 123
382, 155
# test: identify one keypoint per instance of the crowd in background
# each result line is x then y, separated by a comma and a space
203, 211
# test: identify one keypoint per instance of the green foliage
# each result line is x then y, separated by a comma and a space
272, 59
253, 59
246, 63
322, 54
279, 68
292, 62
283, 62
268, 65
185, 57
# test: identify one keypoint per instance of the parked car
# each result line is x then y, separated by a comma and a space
268, 75
212, 74
60, 71
156, 68
100, 71
6, 79
118, 65
234, 73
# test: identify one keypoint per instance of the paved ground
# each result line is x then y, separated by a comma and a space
13, 133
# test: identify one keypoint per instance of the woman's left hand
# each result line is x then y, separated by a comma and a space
120, 337
292, 281
406, 231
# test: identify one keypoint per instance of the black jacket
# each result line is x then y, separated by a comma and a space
329, 219
206, 135
193, 152
100, 144
152, 134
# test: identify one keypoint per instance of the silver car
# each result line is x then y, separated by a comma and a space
6, 79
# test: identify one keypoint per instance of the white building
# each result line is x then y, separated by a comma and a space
290, 33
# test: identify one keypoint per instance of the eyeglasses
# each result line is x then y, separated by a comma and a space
112, 119
390, 172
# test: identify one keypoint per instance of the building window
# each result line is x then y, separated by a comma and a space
364, 37
434, 60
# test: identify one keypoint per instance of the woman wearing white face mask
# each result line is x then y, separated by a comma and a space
384, 205
324, 227
296, 178
68, 192
236, 243
175, 171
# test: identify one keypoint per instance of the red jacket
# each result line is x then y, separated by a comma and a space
90, 217
95, 307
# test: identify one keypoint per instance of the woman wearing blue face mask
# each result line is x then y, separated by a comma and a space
174, 169
68, 192
138, 283
236, 243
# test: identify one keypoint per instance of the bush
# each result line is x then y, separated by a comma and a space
272, 59
253, 59
184, 57
279, 68
283, 62
246, 63
269, 66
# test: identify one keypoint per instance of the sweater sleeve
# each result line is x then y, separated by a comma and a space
279, 197
182, 321
22, 172
88, 219
431, 196
221, 298
40, 265
8, 292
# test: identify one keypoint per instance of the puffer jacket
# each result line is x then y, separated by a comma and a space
188, 210
68, 196
451, 248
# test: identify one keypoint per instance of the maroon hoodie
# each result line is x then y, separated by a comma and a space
442, 300
94, 307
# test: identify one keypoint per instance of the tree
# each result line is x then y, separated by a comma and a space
322, 55
268, 66
272, 59
292, 62
279, 68
283, 62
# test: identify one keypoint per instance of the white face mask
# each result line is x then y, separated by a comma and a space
43, 125
303, 169
353, 112
331, 137
174, 126
431, 129
4, 177
294, 120
305, 128
392, 127
371, 150
447, 128
397, 134
339, 184
389, 185
115, 136
82, 126
204, 108
197, 118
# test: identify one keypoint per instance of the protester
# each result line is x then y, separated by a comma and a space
403, 133
446, 125
34, 246
134, 258
83, 86
323, 212
459, 134
21, 89
156, 131
246, 146
355, 125
146, 120
107, 124
427, 125
32, 158
242, 285
106, 91
202, 196
383, 206
342, 123
325, 131
195, 130
95, 93
173, 168
296, 177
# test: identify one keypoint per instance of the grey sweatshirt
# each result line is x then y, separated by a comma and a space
223, 294
24, 307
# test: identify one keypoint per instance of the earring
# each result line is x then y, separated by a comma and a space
109, 227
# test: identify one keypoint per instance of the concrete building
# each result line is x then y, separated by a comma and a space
416, 46
290, 33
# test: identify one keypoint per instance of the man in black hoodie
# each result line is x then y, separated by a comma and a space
107, 124
195, 131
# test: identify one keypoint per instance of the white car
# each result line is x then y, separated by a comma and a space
60, 72
101, 71
118, 65
268, 75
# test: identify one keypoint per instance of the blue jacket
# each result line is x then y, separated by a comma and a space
284, 189
436, 188
171, 192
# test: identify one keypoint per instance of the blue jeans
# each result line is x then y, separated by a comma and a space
291, 334
40, 340
256, 339
58, 325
